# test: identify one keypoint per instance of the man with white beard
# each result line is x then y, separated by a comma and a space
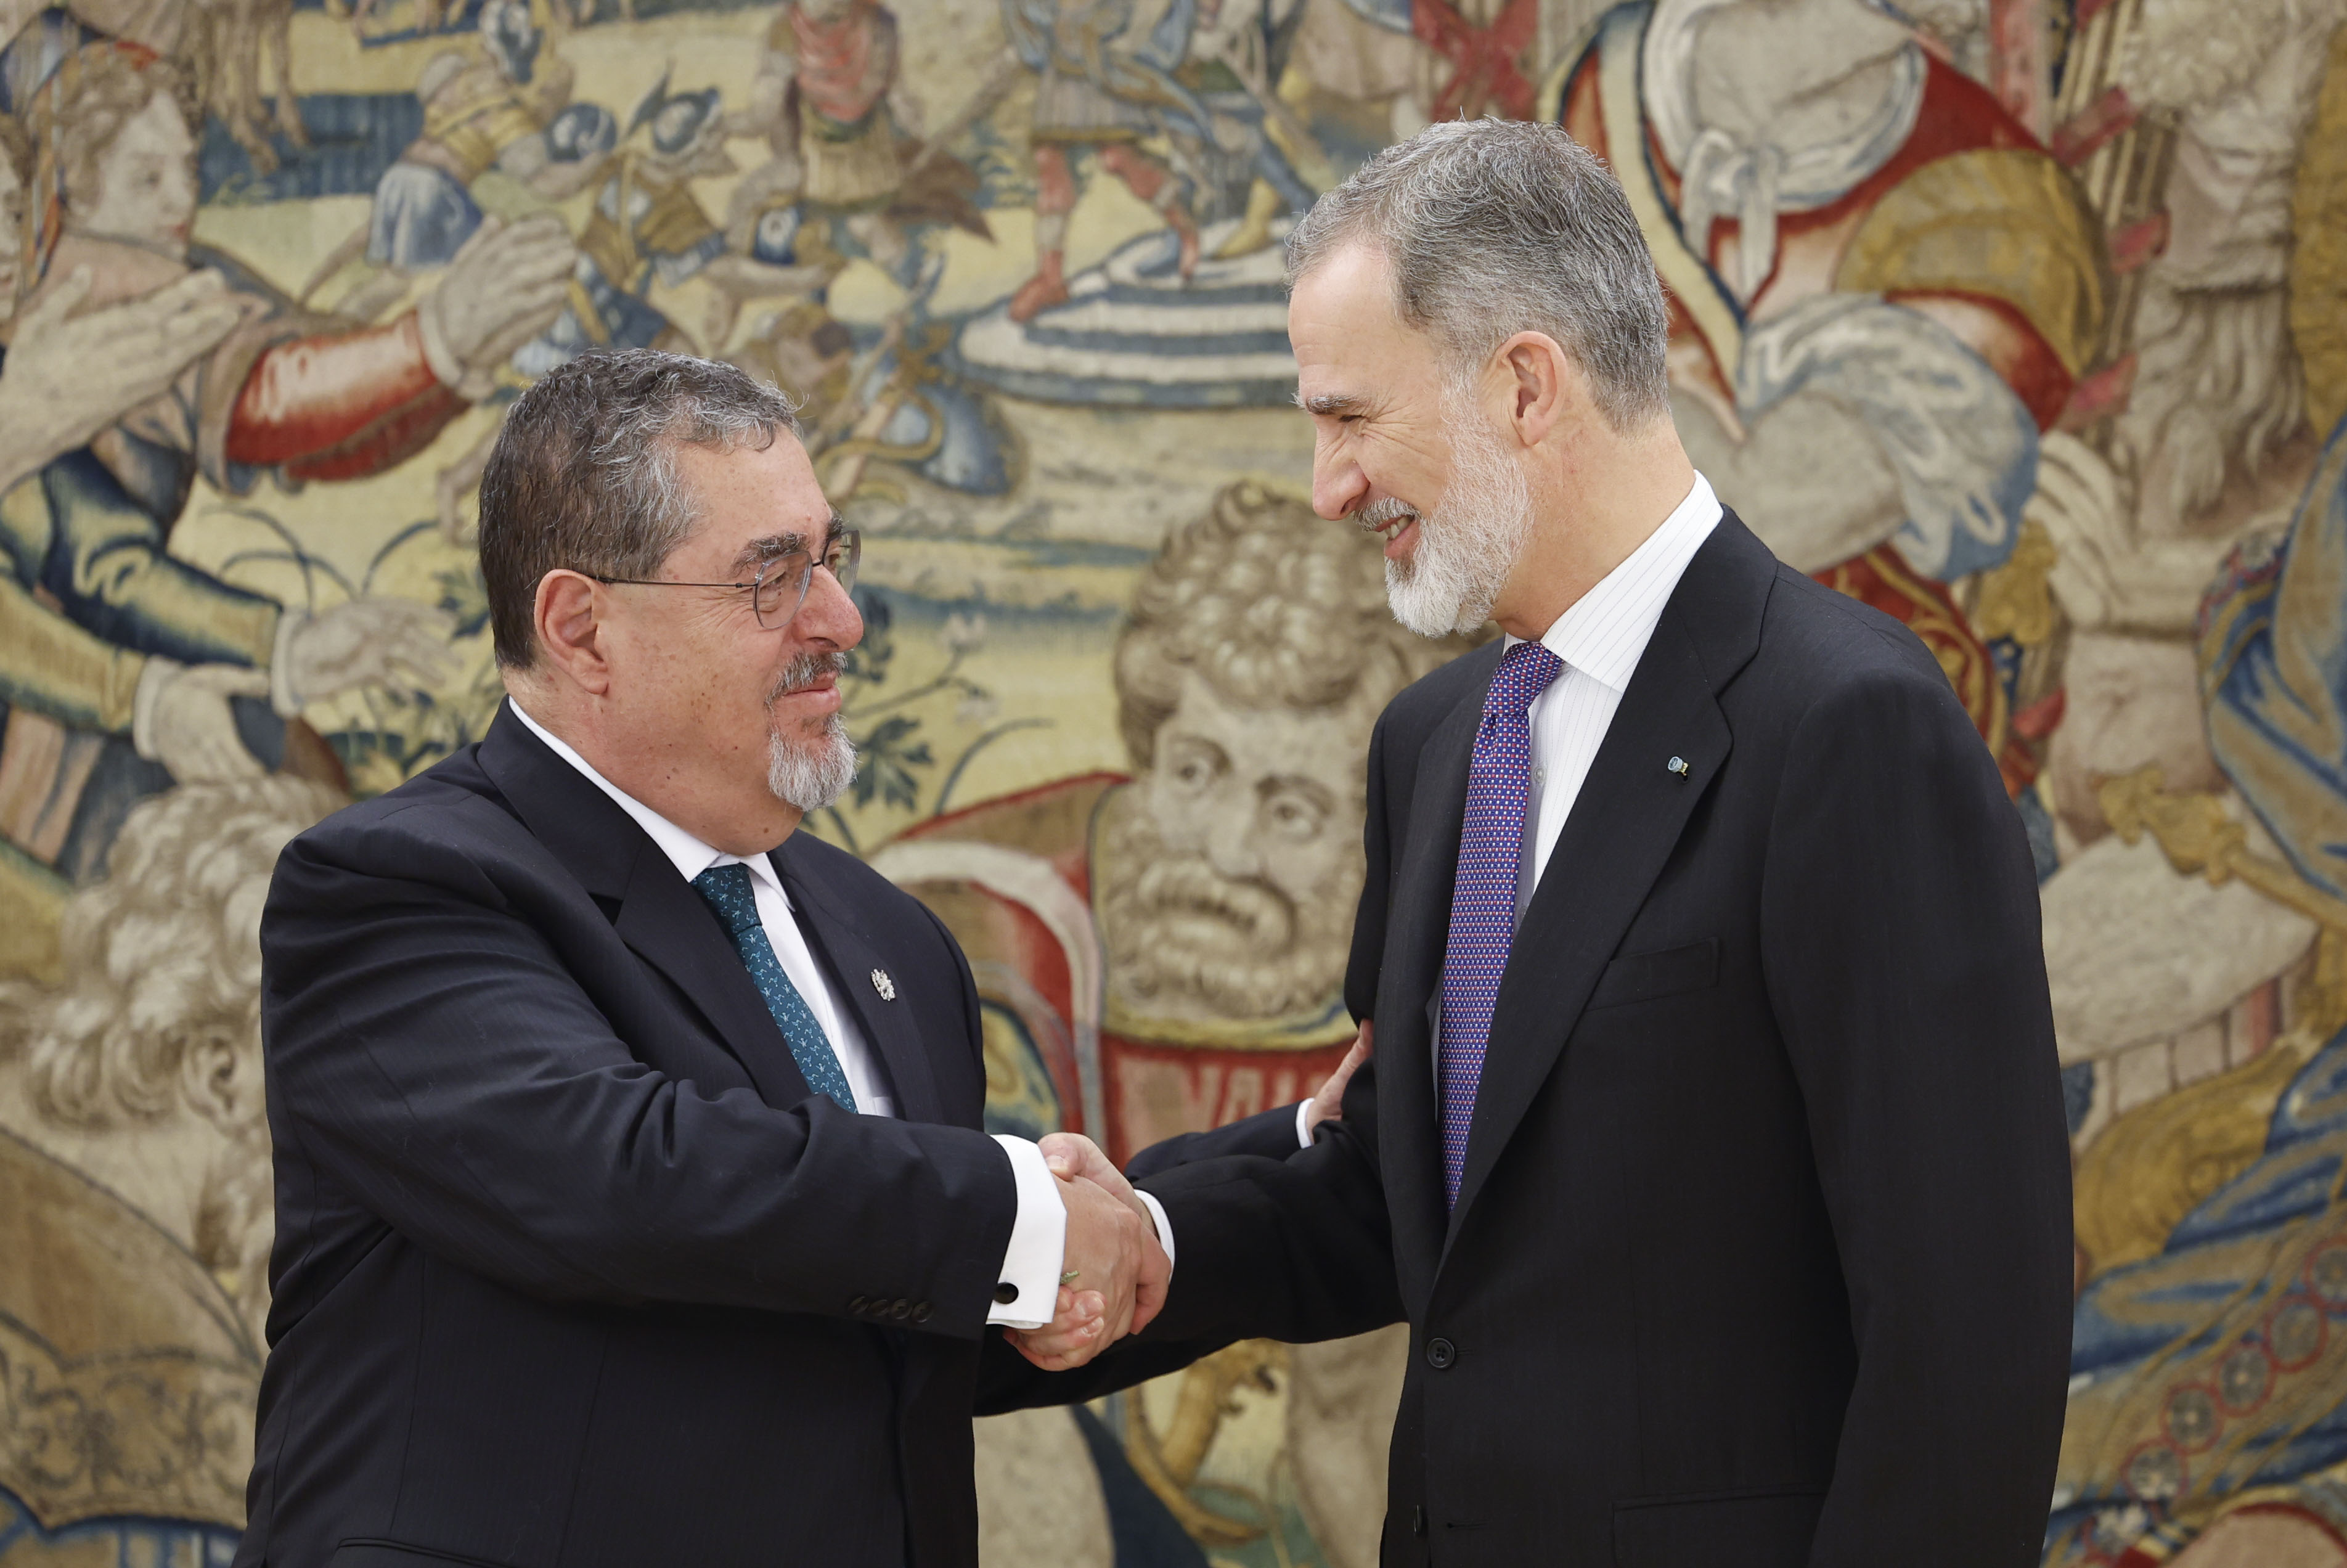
632, 1202
1712, 1146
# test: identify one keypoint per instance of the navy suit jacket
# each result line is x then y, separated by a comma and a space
571, 1269
1762, 1251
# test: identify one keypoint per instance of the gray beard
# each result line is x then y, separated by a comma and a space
812, 771
1184, 939
1469, 543
814, 768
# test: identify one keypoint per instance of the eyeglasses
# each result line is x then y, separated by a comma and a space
780, 585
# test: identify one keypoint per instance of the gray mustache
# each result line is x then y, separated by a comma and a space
803, 672
1187, 886
1377, 514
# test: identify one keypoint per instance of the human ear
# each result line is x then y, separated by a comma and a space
569, 632
220, 1076
1543, 383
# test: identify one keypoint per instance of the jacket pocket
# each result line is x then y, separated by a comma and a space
1765, 1527
363, 1554
1643, 977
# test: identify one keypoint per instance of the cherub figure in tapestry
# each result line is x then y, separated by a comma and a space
135, 1189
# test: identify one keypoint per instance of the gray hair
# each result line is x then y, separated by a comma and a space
584, 477
1496, 227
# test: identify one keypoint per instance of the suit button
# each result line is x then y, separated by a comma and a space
1418, 1522
921, 1312
1005, 1294
900, 1310
1440, 1353
855, 1307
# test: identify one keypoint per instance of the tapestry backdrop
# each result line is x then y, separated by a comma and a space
2024, 321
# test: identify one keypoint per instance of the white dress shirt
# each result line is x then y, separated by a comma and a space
1599, 639
1039, 1235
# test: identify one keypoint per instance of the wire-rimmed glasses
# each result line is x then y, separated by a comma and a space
780, 585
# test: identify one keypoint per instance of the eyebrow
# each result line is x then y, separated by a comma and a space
773, 546
1335, 403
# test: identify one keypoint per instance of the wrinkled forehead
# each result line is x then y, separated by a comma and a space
1265, 739
1347, 333
755, 504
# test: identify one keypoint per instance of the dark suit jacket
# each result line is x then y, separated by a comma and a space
1762, 1252
571, 1269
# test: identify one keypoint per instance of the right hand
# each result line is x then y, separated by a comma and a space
365, 642
505, 287
1120, 1275
68, 376
195, 736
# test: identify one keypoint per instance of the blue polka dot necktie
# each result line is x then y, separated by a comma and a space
1484, 895
727, 888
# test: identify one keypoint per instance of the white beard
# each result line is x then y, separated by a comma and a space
811, 774
1469, 543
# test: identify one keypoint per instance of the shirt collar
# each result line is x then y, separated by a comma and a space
1606, 629
687, 853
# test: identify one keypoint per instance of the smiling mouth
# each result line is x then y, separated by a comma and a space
1387, 518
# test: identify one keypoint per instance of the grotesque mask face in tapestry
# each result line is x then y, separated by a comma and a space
1259, 655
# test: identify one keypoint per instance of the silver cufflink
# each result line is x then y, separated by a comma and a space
1677, 765
883, 985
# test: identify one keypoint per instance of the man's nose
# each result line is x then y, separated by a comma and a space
1338, 486
1231, 847
829, 615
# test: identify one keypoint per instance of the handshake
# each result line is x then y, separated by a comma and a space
1116, 1266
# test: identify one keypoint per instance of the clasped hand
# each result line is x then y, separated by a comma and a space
1119, 1269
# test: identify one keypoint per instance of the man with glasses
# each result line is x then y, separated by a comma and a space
633, 1206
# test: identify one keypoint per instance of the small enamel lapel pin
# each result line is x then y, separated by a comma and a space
883, 985
1677, 765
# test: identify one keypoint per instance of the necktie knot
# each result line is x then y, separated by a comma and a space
1524, 673
727, 889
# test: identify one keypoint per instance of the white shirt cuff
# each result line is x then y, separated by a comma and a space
1039, 1241
1303, 1127
1164, 1226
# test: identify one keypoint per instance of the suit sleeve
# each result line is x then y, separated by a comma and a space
1903, 961
1268, 1133
430, 1055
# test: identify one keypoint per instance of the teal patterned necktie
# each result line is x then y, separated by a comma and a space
727, 888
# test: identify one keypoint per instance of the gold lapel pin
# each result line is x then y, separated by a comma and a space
1677, 765
883, 985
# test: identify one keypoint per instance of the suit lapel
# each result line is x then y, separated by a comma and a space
659, 916
1410, 1116
1621, 830
672, 929
843, 945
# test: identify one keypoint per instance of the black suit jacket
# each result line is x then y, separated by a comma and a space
1762, 1252
570, 1268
